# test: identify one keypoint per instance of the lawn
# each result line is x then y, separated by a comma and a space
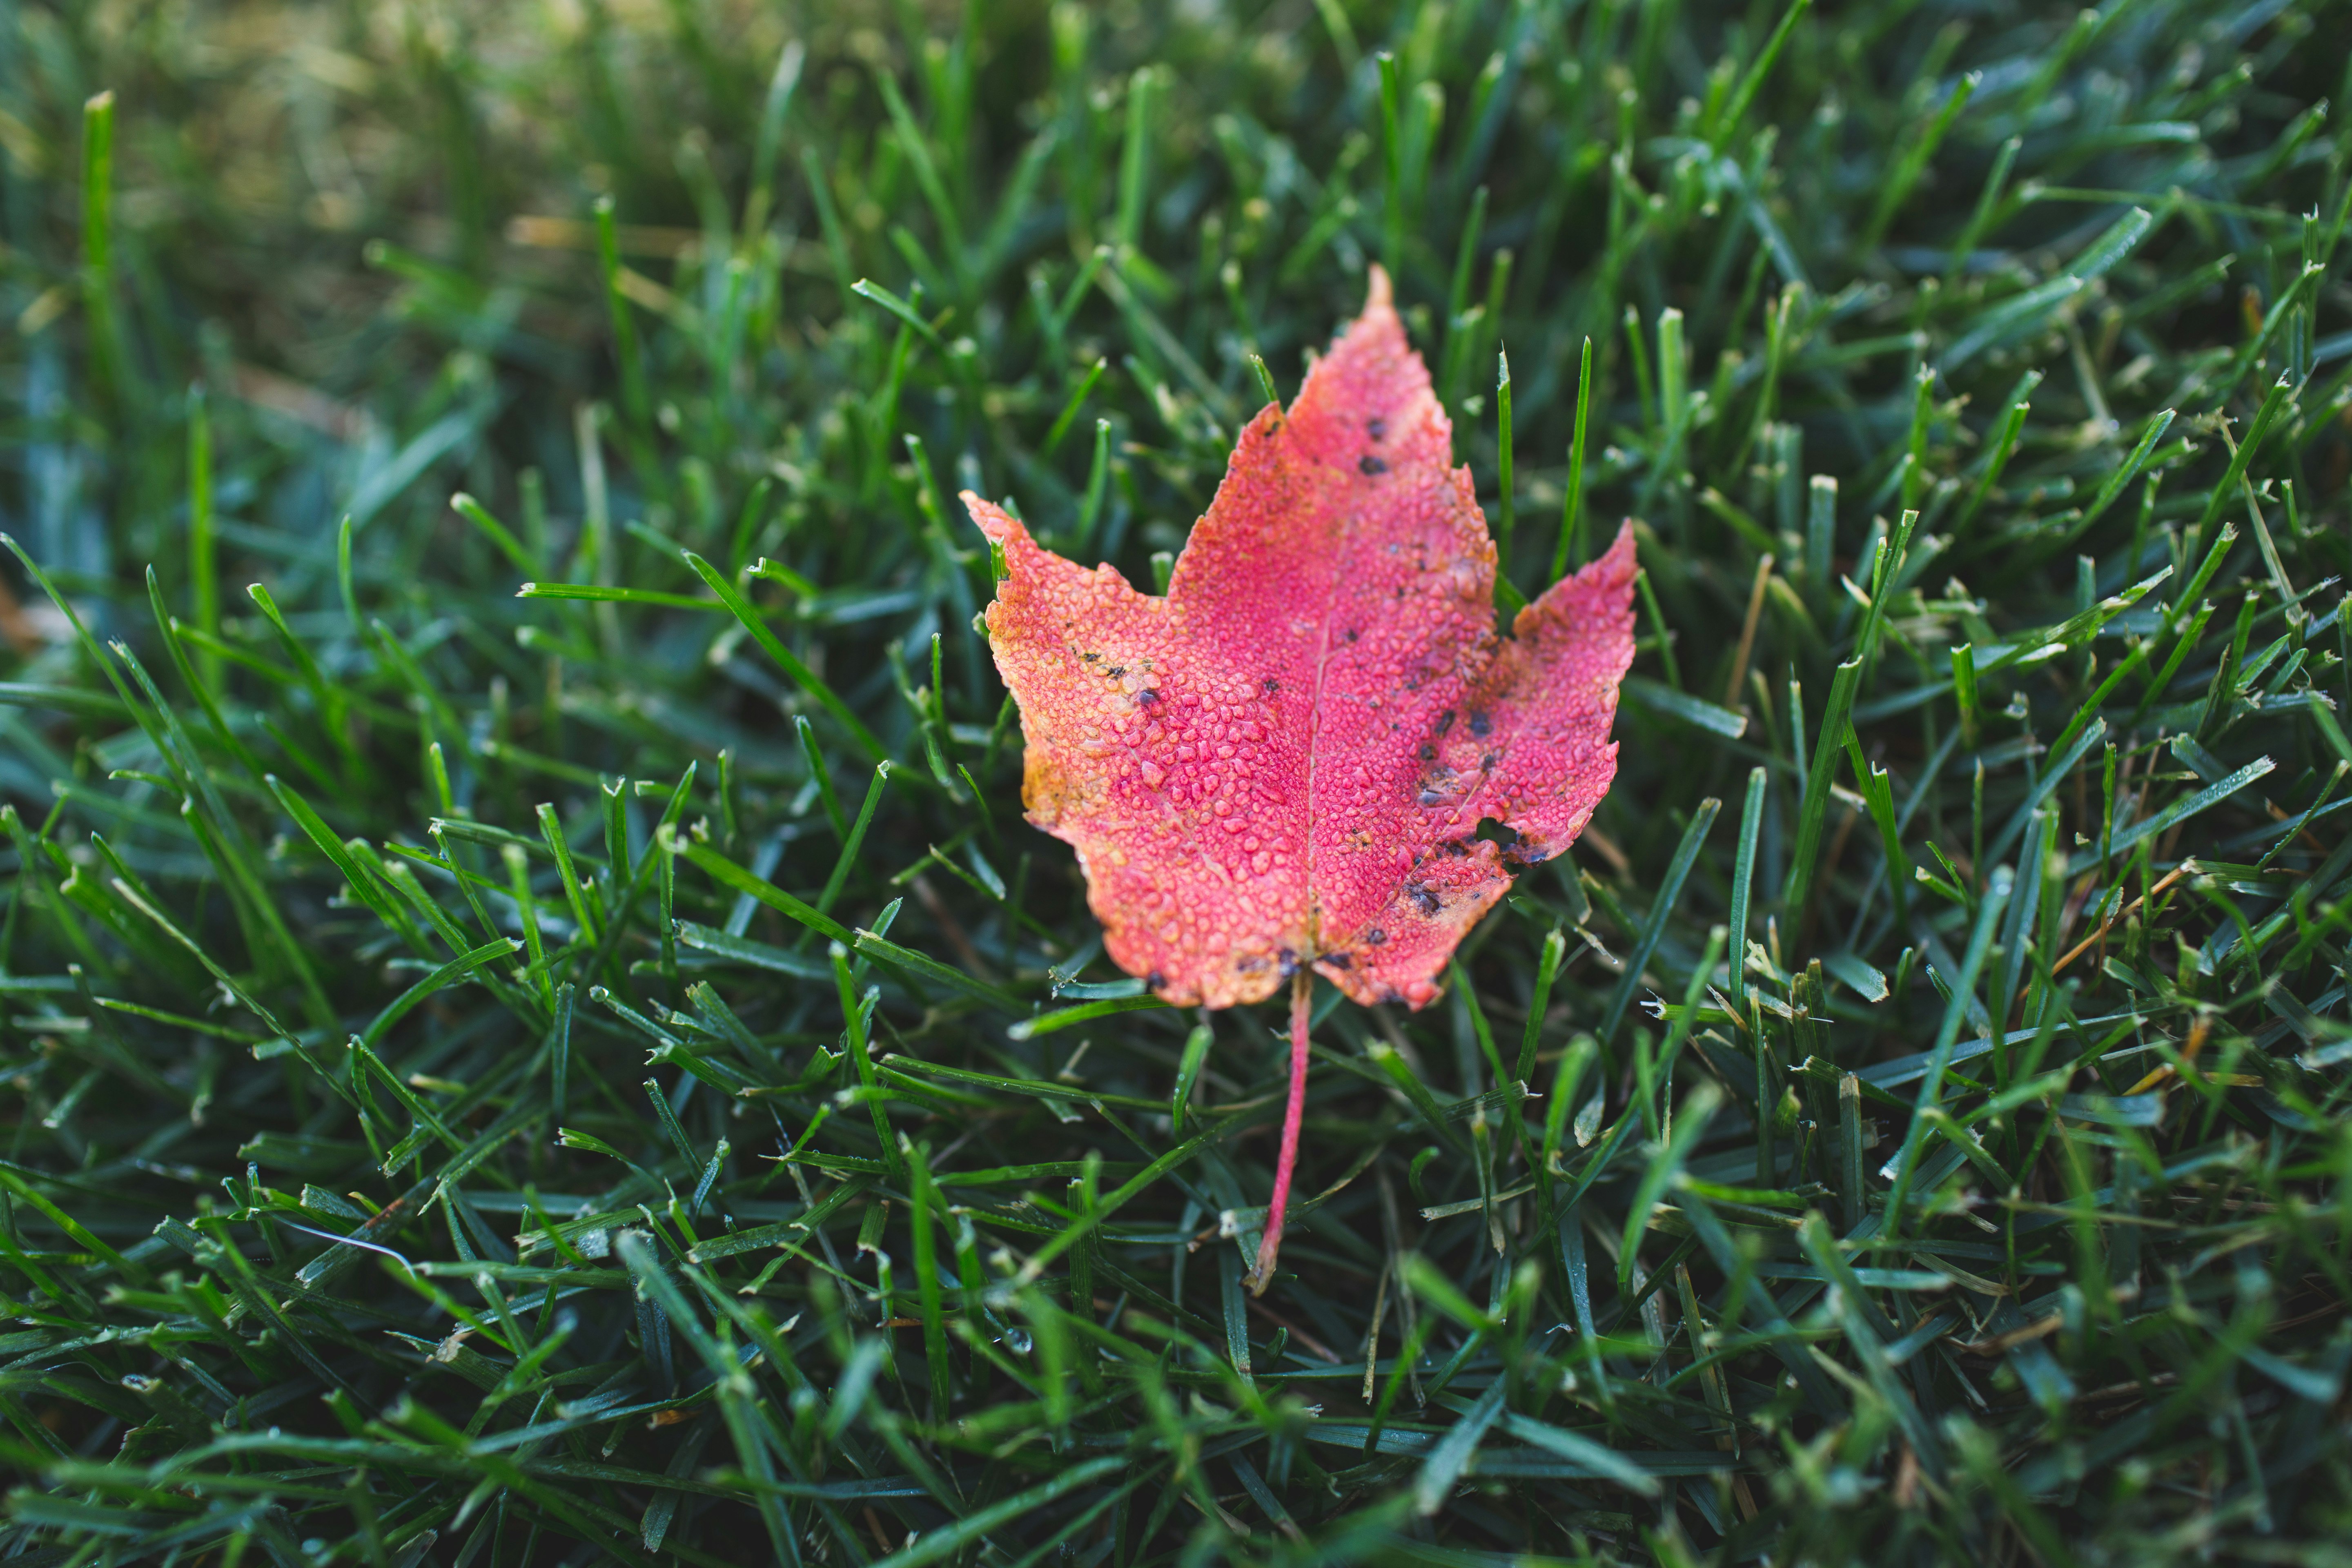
533, 1029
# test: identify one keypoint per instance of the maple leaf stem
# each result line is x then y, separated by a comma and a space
1302, 993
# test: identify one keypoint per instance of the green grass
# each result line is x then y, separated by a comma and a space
746, 1151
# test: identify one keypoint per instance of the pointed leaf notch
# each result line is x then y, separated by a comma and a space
1281, 765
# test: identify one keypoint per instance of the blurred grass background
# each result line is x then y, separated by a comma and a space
745, 1149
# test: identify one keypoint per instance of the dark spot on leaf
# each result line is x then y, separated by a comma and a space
1352, 634
1271, 685
1428, 752
1289, 961
1376, 936
1114, 671
1480, 723
1340, 960
1445, 720
1376, 429
1147, 695
1431, 797
1428, 901
1155, 980
1369, 465
1486, 763
1454, 847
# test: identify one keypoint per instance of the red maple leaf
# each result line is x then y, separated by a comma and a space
1281, 767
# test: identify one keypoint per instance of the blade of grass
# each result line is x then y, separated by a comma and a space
1654, 928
